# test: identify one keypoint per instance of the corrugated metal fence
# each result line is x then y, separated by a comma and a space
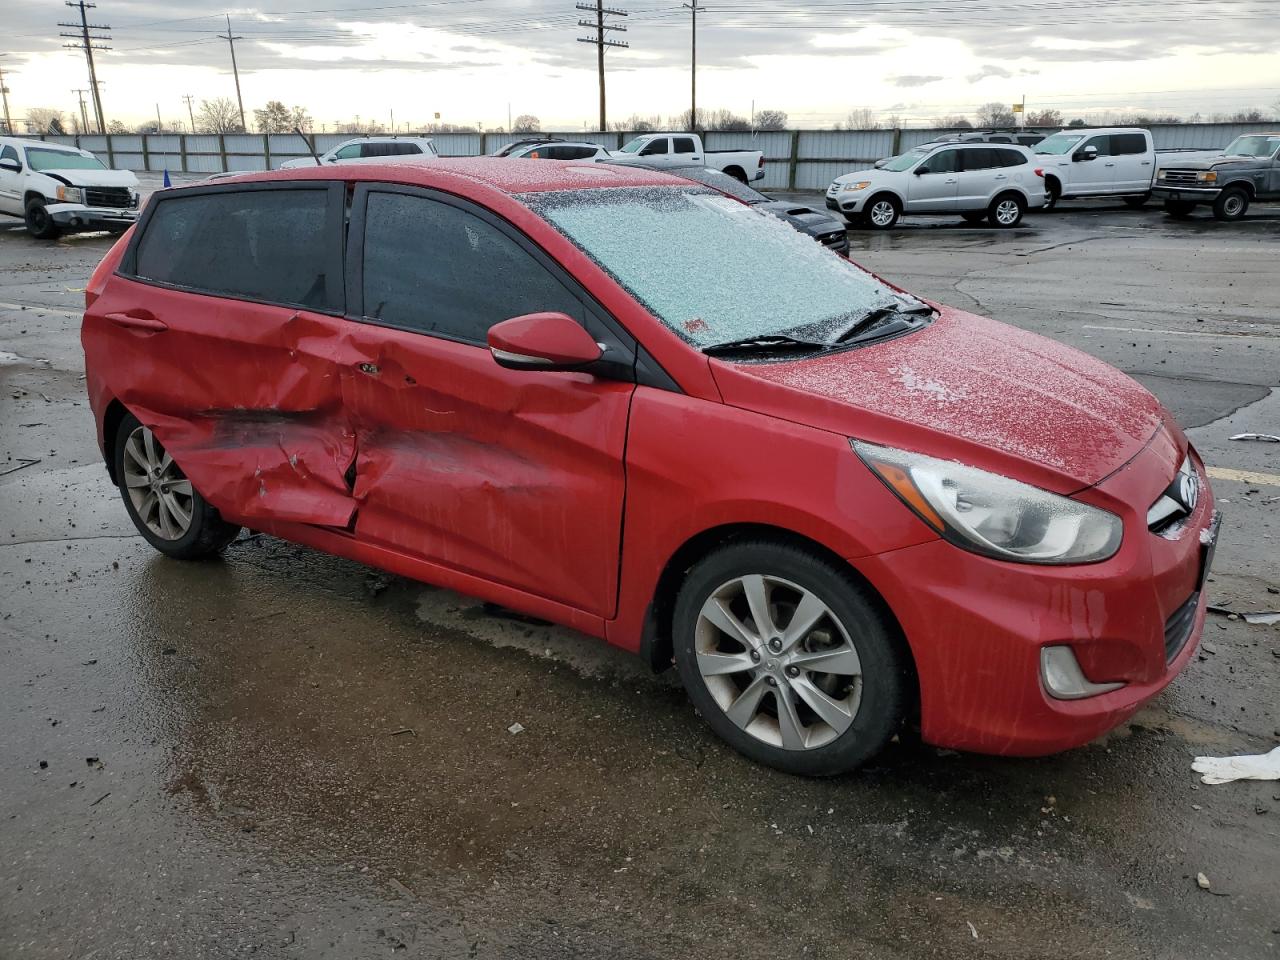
794, 159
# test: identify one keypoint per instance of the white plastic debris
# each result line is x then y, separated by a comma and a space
1202, 881
515, 728
1262, 766
1261, 437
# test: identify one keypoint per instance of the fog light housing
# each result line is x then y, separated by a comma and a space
1064, 680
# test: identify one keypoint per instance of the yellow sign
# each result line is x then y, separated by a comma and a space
1017, 108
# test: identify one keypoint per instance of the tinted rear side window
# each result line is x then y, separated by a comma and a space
684, 145
270, 245
432, 267
1010, 158
1128, 143
979, 158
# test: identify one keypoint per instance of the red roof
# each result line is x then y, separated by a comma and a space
499, 173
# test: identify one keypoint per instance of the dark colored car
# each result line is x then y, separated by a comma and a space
829, 231
626, 403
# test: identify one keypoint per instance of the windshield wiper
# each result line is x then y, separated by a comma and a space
772, 343
874, 317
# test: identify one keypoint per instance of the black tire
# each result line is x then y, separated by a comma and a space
1138, 202
880, 700
207, 533
1052, 194
974, 216
1232, 204
40, 223
1178, 209
999, 213
886, 202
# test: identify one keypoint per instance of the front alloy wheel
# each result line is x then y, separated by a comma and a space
882, 213
788, 659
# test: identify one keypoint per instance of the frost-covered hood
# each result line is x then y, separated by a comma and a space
93, 178
969, 389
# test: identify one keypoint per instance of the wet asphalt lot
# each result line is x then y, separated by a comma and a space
283, 754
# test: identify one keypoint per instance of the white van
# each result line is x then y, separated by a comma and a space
1097, 162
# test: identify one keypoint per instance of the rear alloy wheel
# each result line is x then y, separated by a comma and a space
1006, 210
40, 223
1178, 209
882, 212
1232, 204
167, 510
787, 659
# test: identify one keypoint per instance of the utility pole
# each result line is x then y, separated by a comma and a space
693, 63
190, 114
84, 117
231, 39
87, 42
4, 92
601, 41
158, 123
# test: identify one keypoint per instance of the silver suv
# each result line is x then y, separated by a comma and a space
995, 182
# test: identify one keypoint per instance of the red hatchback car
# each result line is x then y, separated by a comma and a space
626, 403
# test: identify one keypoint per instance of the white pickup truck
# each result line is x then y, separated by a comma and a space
57, 188
661, 150
1102, 162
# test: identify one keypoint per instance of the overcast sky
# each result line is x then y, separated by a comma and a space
468, 59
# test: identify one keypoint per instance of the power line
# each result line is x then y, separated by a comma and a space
601, 41
88, 43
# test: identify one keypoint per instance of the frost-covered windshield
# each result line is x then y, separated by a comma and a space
907, 160
712, 269
42, 159
1058, 144
1252, 146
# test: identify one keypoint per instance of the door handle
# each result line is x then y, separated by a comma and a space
1001, 176
370, 368
137, 323
1109, 164
952, 180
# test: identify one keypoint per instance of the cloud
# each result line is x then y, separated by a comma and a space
989, 70
913, 80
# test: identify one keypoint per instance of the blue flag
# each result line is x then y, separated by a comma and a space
166, 177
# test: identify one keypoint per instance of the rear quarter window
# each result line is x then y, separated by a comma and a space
1128, 143
1011, 158
274, 246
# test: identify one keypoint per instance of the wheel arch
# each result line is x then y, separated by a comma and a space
1246, 185
656, 644
30, 195
736, 172
112, 417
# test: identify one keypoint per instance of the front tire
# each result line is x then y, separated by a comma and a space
1138, 202
882, 212
162, 503
1232, 204
1052, 194
789, 659
974, 216
40, 223
1006, 211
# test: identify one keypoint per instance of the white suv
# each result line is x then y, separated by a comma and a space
995, 182
364, 148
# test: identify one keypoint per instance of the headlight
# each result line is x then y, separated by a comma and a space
994, 515
860, 185
70, 194
1159, 174
1209, 176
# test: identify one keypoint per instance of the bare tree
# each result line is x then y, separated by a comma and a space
115, 127
953, 122
862, 118
637, 124
726, 120
1252, 115
771, 120
526, 123
300, 118
1045, 118
996, 114
219, 115
44, 120
275, 117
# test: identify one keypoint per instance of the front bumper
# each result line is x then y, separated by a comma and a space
1190, 194
976, 626
77, 216
847, 204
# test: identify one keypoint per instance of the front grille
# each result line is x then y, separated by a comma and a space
834, 239
1179, 178
1177, 629
121, 197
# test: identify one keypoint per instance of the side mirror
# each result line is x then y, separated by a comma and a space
1088, 153
10, 164
920, 171
542, 341
879, 164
